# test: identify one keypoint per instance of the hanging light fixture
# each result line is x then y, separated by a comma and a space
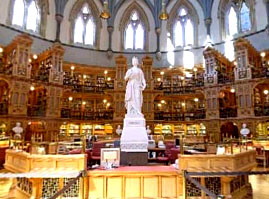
163, 15
105, 13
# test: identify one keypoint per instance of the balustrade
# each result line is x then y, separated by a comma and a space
87, 115
180, 116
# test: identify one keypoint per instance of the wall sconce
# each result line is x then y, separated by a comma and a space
105, 13
105, 101
196, 99
32, 88
83, 103
266, 92
34, 56
159, 79
159, 105
70, 98
162, 73
84, 76
30, 60
232, 90
263, 54
1, 50
183, 104
109, 78
162, 101
108, 105
163, 15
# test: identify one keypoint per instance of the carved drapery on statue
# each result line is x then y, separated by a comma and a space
136, 84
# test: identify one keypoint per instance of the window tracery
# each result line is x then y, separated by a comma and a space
85, 27
134, 33
26, 15
237, 17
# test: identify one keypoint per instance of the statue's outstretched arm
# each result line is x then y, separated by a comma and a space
144, 84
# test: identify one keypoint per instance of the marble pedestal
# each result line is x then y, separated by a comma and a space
134, 141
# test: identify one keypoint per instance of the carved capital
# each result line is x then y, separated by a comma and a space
110, 29
208, 21
59, 18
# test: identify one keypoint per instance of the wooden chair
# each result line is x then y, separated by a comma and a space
260, 155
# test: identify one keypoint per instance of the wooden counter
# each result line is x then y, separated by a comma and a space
135, 182
243, 161
20, 161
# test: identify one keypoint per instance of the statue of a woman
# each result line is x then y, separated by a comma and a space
136, 84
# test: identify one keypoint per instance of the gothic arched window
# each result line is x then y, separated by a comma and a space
134, 34
237, 17
183, 30
182, 24
84, 27
26, 15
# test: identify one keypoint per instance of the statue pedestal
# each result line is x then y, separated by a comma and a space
134, 141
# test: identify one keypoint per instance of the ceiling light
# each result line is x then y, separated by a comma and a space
105, 13
263, 54
163, 15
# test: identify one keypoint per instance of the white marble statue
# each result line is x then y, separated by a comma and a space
136, 84
119, 130
148, 130
244, 131
18, 130
134, 136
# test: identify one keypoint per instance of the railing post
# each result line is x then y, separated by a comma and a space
184, 183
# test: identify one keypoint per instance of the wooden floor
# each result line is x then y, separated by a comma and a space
260, 186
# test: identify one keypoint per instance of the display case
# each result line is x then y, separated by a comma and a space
191, 129
179, 129
99, 129
74, 129
86, 129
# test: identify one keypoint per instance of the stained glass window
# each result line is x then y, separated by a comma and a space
18, 13
233, 27
239, 19
26, 14
84, 27
32, 17
245, 18
183, 29
134, 33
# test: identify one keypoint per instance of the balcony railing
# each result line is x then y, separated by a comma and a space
174, 90
224, 78
3, 108
228, 112
180, 116
87, 115
261, 110
36, 111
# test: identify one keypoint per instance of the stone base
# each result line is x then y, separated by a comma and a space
133, 158
134, 137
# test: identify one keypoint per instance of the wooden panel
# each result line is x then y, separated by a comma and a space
96, 187
114, 187
169, 188
151, 189
132, 187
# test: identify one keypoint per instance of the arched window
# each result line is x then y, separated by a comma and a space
183, 29
84, 27
134, 33
183, 24
237, 17
26, 15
